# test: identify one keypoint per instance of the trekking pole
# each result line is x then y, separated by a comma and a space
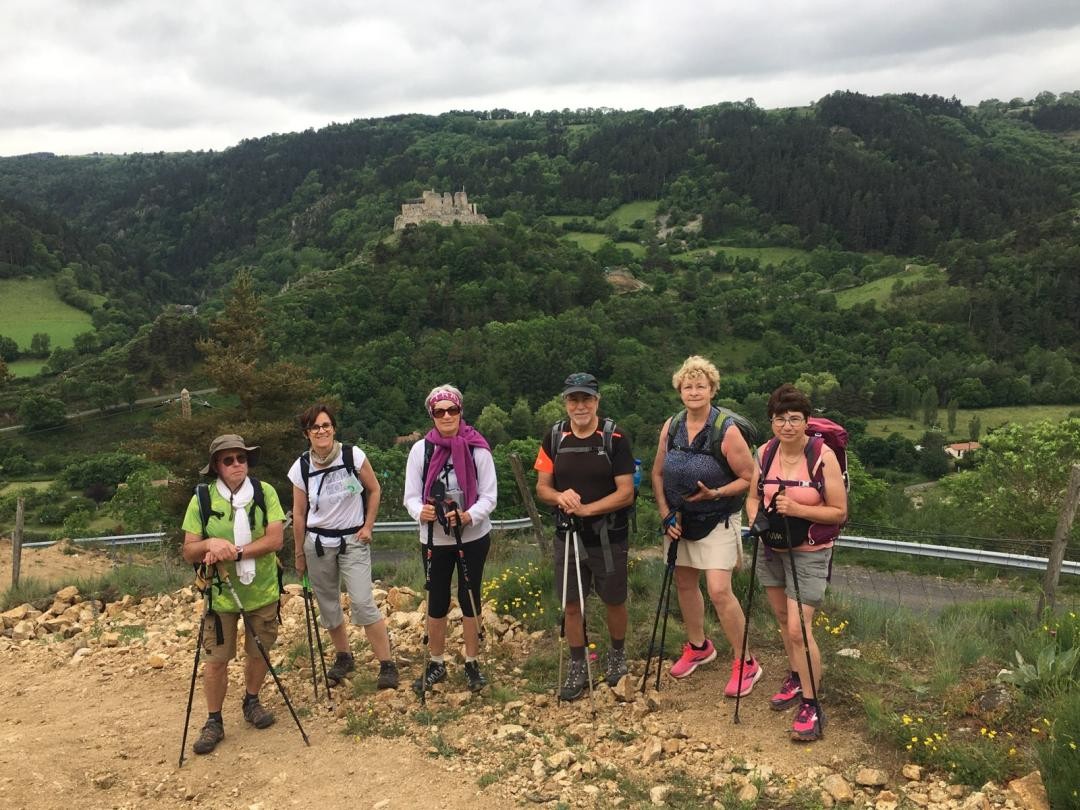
199, 578
427, 618
746, 623
562, 617
673, 552
463, 573
307, 625
318, 641
665, 584
581, 602
799, 604
223, 575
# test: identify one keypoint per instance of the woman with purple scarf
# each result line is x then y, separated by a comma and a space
450, 489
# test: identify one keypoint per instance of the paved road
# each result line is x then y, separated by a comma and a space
143, 401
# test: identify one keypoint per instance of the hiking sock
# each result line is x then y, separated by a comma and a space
577, 653
216, 716
438, 659
250, 698
470, 659
618, 643
699, 647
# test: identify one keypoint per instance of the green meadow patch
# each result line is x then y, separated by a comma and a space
31, 305
764, 255
589, 241
25, 368
880, 290
989, 417
626, 215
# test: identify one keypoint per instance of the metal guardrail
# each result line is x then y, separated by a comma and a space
958, 554
150, 538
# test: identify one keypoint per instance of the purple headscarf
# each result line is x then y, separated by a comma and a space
459, 450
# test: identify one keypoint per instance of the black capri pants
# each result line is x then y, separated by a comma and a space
444, 559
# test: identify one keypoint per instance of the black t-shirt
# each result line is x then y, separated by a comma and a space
591, 475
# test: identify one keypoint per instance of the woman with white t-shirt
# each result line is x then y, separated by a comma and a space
335, 500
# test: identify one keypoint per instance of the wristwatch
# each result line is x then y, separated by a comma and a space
239, 554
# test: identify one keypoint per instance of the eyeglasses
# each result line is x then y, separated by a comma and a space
229, 461
439, 413
321, 427
794, 421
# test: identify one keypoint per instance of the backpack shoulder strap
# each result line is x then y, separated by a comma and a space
202, 492
766, 462
429, 451
258, 501
673, 427
347, 459
724, 419
815, 463
609, 430
557, 431
305, 469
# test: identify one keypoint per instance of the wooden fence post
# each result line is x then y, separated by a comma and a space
1057, 548
16, 542
542, 539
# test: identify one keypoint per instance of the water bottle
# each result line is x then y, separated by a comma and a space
637, 474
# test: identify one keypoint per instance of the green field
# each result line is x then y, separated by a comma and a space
880, 289
32, 305
25, 368
590, 241
990, 418
636, 249
16, 485
765, 255
626, 215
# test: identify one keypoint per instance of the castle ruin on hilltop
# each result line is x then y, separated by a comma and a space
445, 208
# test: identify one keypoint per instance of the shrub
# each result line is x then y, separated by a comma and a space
523, 591
1059, 752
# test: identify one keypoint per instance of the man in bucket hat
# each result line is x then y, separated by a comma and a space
242, 529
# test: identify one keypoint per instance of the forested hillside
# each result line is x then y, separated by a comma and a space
933, 251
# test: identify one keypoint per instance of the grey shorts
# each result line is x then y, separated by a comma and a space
812, 568
327, 573
611, 588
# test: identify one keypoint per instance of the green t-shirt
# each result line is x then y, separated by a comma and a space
263, 590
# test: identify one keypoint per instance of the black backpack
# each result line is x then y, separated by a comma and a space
258, 502
607, 431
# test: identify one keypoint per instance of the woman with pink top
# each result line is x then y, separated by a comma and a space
805, 501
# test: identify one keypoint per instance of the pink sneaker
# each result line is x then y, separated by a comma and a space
751, 674
790, 691
691, 659
809, 722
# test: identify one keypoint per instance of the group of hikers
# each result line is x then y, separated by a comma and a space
793, 487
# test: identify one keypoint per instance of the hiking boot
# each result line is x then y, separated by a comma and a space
577, 678
616, 667
435, 673
388, 675
212, 733
691, 659
257, 714
790, 692
474, 676
751, 674
809, 722
343, 665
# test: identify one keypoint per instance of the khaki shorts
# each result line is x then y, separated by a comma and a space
263, 622
719, 550
812, 568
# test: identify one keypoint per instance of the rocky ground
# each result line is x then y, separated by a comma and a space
94, 709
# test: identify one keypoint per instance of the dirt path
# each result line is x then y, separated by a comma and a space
55, 565
105, 736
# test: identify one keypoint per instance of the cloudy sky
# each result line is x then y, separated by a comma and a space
80, 76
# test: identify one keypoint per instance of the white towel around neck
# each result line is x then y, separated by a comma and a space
245, 569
